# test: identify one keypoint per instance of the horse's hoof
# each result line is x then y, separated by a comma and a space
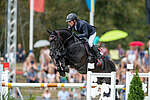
62, 74
66, 69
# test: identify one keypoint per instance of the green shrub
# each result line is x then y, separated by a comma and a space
136, 92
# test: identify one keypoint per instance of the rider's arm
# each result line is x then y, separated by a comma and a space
85, 31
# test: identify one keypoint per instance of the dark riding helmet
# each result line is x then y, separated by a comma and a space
71, 17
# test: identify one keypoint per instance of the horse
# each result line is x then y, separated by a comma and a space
67, 49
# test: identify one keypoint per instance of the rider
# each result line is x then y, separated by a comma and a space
86, 31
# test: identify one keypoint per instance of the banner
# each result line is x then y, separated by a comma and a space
91, 5
39, 5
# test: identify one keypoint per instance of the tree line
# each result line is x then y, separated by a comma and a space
127, 15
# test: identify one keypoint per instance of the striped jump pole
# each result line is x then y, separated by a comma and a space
43, 85
58, 85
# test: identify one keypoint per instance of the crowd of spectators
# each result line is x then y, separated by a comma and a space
139, 57
44, 71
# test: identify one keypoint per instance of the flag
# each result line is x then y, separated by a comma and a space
91, 5
39, 5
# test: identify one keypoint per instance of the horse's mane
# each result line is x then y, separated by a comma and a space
64, 33
64, 30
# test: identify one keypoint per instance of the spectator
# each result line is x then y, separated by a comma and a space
123, 76
132, 55
26, 66
32, 76
63, 94
51, 75
75, 94
71, 74
63, 79
57, 77
44, 59
1, 60
141, 54
20, 53
146, 62
33, 61
121, 51
124, 61
46, 95
78, 78
29, 63
42, 77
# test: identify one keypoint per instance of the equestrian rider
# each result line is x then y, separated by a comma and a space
86, 31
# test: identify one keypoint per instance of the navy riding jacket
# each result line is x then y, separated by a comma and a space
85, 29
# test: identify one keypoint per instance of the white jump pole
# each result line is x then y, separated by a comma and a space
112, 75
1, 70
113, 83
127, 84
58, 85
88, 94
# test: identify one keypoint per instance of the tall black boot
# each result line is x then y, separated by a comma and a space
96, 52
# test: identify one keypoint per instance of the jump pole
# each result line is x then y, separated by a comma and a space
112, 75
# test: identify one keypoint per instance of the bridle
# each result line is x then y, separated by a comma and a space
60, 40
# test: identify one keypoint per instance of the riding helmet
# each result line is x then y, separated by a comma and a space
71, 16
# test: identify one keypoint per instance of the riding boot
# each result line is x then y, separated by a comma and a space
96, 52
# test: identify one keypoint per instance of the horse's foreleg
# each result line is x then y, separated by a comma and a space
63, 65
59, 68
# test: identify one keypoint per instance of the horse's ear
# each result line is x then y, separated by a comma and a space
49, 31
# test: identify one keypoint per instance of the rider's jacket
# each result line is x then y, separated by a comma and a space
85, 29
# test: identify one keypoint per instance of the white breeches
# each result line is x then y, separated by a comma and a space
91, 39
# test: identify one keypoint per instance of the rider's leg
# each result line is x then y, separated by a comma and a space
96, 52
94, 49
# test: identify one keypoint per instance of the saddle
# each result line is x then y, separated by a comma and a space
84, 41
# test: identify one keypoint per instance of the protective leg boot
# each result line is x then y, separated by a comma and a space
96, 52
66, 69
61, 72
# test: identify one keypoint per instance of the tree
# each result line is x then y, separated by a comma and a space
136, 92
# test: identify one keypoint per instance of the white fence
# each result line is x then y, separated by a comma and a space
90, 78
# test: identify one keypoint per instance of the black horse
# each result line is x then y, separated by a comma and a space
67, 49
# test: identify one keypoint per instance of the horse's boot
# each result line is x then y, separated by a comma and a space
96, 52
61, 72
65, 69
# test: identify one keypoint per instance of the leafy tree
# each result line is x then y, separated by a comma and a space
127, 15
136, 92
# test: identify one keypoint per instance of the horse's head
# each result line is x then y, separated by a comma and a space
54, 40
58, 37
52, 35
